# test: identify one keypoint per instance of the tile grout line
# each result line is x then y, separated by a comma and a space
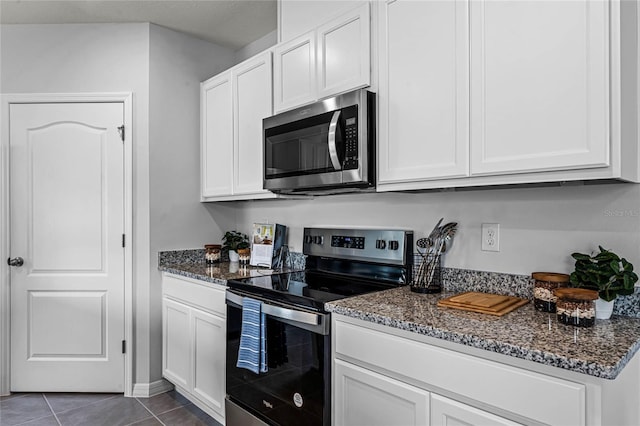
151, 412
55, 416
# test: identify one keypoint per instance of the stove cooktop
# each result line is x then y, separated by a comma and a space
306, 289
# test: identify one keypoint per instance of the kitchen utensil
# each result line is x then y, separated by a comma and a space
430, 248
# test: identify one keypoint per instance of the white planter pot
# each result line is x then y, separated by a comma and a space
604, 309
233, 256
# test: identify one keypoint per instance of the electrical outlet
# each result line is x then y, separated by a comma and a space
491, 237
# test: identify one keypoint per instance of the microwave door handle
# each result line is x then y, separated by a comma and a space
331, 141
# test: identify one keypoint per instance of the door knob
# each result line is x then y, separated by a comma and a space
16, 261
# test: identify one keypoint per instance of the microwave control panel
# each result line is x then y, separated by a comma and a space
351, 138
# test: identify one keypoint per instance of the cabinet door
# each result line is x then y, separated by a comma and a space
216, 136
344, 53
208, 368
539, 85
363, 397
176, 352
295, 72
252, 100
423, 90
447, 412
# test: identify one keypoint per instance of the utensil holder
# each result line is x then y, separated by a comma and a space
427, 276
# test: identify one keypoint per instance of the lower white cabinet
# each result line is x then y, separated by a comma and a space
363, 397
385, 376
193, 341
448, 412
366, 398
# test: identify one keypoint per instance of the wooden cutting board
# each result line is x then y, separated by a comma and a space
485, 303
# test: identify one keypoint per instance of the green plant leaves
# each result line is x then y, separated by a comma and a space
605, 272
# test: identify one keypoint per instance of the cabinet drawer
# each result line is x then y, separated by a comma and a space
203, 295
516, 390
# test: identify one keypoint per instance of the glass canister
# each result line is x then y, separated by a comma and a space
545, 283
576, 306
212, 253
244, 256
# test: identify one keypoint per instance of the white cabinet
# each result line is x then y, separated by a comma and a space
194, 341
344, 49
295, 72
423, 90
372, 360
485, 92
297, 17
176, 356
233, 105
252, 103
447, 412
363, 397
332, 59
539, 85
216, 136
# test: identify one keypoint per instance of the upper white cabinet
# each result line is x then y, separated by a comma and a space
295, 72
423, 90
332, 59
344, 53
486, 92
539, 85
252, 103
233, 105
216, 136
297, 17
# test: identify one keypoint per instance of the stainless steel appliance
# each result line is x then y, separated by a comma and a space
328, 146
296, 389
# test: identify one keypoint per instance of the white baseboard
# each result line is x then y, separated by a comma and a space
146, 390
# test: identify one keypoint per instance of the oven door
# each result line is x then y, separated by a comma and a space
296, 388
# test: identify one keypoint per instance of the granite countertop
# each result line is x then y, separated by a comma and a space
218, 273
601, 351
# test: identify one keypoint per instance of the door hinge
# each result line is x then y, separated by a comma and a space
121, 131
124, 346
123, 240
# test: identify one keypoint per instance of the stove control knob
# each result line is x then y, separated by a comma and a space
393, 245
318, 239
308, 239
381, 244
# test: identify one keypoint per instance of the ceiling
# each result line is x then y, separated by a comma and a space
230, 23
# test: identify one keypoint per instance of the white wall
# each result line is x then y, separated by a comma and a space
92, 58
177, 65
260, 45
162, 69
540, 227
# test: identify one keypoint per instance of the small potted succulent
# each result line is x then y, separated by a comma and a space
232, 241
608, 274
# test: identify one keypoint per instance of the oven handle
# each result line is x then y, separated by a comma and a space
293, 315
331, 140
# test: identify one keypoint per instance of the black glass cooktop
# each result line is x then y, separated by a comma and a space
307, 289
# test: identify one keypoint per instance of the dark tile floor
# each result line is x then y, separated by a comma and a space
99, 409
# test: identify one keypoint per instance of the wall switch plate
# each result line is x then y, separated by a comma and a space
490, 237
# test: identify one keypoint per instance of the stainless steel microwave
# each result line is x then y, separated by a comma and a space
325, 147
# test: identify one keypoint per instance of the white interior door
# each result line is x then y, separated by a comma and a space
67, 223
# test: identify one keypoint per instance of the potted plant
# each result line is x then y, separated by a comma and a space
232, 241
606, 273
